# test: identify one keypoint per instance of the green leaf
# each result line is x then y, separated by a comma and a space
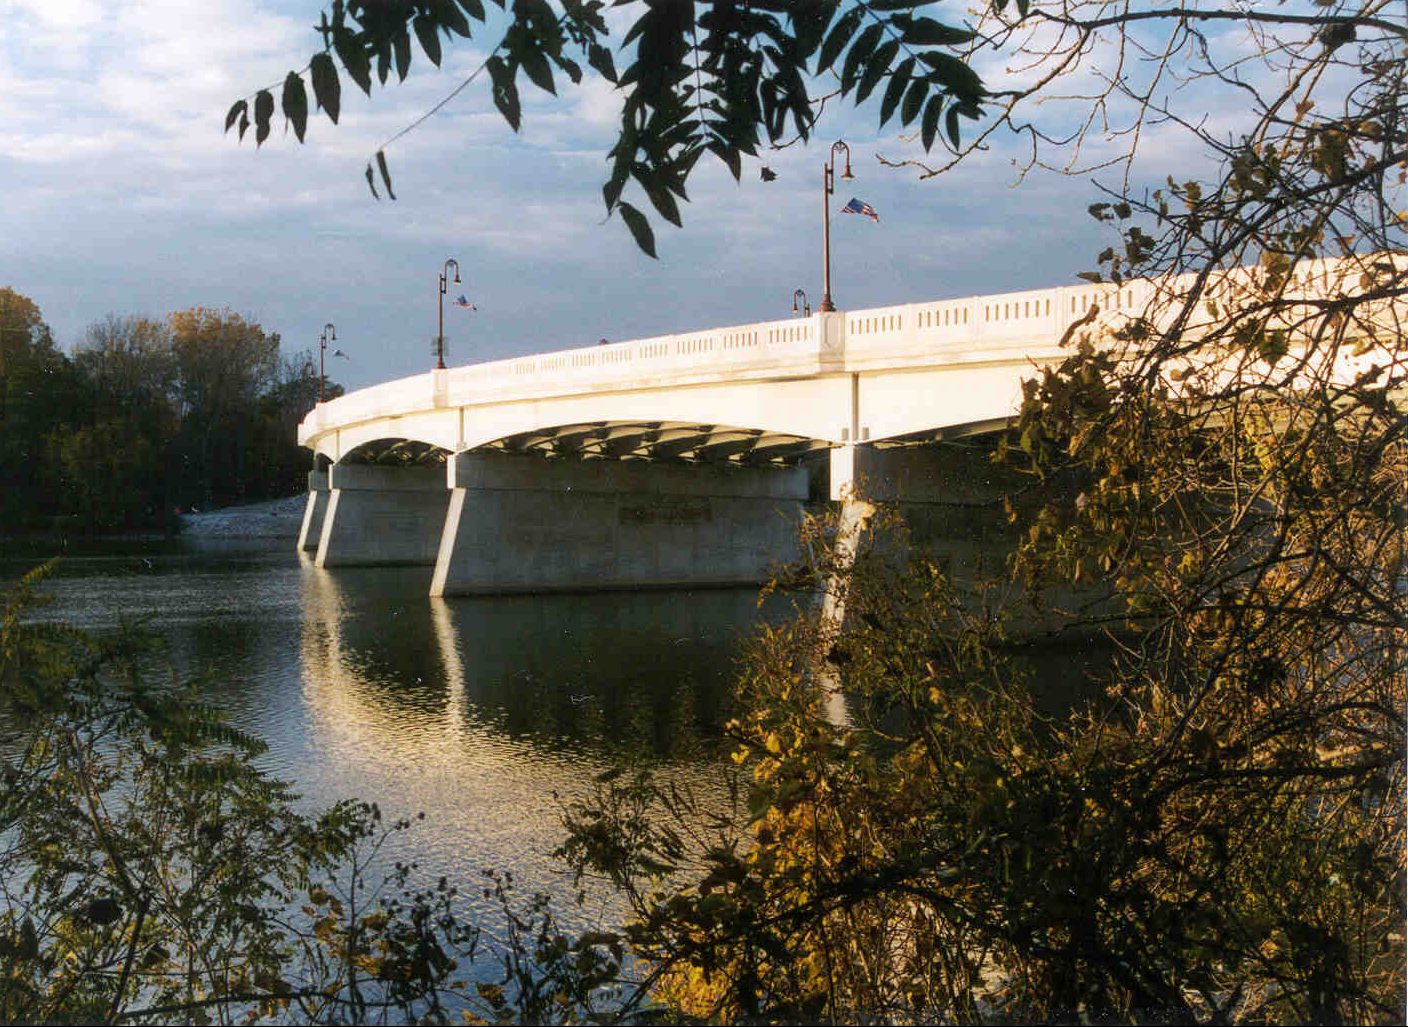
263, 111
599, 57
914, 101
928, 32
571, 67
611, 190
453, 19
327, 88
859, 53
240, 107
659, 195
898, 80
351, 50
837, 39
930, 127
875, 70
951, 126
505, 91
295, 103
640, 228
385, 172
429, 35
536, 65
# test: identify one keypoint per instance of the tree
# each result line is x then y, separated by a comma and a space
36, 398
224, 364
115, 459
1219, 835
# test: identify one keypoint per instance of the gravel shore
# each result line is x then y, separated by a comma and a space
276, 518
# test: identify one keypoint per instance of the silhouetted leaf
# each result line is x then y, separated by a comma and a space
859, 53
385, 172
640, 228
536, 66
240, 106
402, 45
295, 103
837, 38
951, 126
429, 35
876, 68
599, 57
263, 111
928, 32
898, 79
930, 127
914, 101
353, 54
327, 87
371, 181
505, 91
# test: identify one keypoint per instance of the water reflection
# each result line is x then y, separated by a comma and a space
485, 713
488, 713
645, 675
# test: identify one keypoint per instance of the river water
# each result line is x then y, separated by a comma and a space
486, 714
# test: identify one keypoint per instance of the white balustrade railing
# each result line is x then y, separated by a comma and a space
996, 327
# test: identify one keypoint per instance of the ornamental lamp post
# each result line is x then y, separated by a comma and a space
806, 307
440, 337
828, 186
329, 335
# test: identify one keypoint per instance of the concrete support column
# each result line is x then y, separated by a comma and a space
313, 513
383, 516
528, 524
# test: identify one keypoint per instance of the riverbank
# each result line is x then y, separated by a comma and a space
274, 518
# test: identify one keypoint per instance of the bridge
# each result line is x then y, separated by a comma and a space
685, 459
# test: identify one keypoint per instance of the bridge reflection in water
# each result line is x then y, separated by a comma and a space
488, 713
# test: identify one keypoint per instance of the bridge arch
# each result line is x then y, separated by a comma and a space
662, 441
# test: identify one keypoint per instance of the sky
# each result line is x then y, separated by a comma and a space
121, 194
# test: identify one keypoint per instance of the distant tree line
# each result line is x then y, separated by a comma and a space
145, 418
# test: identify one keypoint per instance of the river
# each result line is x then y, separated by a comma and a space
485, 714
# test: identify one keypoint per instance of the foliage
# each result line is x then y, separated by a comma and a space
146, 416
35, 397
1218, 835
719, 78
150, 871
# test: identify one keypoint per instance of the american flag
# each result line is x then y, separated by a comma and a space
462, 302
860, 207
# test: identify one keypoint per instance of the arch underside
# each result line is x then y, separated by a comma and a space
947, 433
660, 441
397, 453
672, 441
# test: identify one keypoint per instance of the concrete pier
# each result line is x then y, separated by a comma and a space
527, 524
315, 511
378, 516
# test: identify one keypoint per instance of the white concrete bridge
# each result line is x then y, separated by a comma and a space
666, 461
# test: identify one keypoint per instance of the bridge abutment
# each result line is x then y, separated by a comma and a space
382, 516
528, 524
